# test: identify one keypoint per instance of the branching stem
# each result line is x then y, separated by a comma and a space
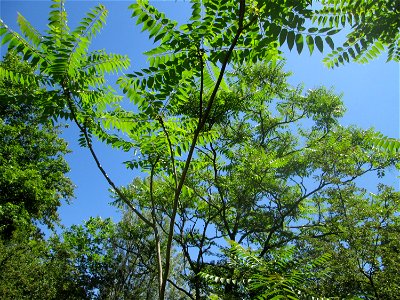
120, 194
200, 126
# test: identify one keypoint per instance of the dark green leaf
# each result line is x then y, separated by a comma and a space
290, 39
282, 36
299, 42
329, 41
310, 43
319, 43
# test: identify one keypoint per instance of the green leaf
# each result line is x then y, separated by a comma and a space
137, 10
299, 42
319, 43
332, 32
352, 53
27, 29
6, 39
379, 45
364, 44
329, 41
310, 43
358, 48
290, 39
282, 36
346, 56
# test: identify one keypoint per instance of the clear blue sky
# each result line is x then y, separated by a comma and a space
370, 93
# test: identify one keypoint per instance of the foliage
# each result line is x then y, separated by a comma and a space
31, 270
99, 259
389, 144
113, 260
32, 165
245, 157
280, 156
365, 250
373, 26
247, 31
279, 277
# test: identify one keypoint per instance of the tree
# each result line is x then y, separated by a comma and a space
187, 74
32, 269
365, 249
32, 183
32, 165
280, 156
99, 259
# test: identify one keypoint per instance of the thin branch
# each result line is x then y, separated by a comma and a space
287, 213
220, 193
83, 129
155, 229
180, 289
171, 151
201, 84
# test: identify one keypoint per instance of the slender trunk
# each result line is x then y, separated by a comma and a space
201, 124
159, 262
155, 231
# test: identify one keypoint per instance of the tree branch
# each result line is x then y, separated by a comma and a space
180, 289
171, 151
83, 129
155, 229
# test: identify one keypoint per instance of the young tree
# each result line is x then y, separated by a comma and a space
281, 277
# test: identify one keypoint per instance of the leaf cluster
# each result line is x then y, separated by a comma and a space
373, 25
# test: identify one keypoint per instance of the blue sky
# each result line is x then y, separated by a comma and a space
370, 93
